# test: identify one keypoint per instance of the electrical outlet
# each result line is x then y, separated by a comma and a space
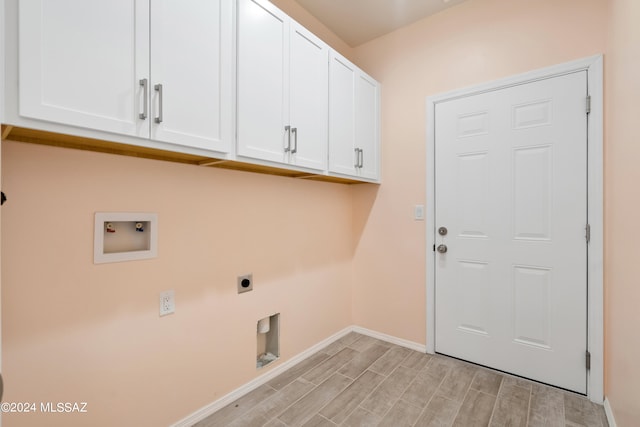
167, 303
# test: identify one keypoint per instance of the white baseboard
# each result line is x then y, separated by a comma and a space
389, 338
204, 412
609, 413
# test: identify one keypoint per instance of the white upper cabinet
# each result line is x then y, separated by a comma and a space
282, 88
230, 79
342, 115
81, 63
87, 63
354, 117
263, 74
309, 98
368, 126
191, 83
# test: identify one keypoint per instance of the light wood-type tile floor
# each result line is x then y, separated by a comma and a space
362, 381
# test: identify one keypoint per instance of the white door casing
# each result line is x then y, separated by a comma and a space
526, 276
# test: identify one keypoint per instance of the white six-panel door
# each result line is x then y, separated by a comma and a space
511, 289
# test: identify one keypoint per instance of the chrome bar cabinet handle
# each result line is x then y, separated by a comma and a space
287, 129
158, 89
145, 99
295, 140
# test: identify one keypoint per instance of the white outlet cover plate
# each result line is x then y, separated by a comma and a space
167, 302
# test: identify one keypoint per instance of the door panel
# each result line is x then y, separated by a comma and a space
309, 95
367, 119
531, 305
511, 189
342, 110
90, 81
191, 57
263, 37
532, 193
472, 191
474, 284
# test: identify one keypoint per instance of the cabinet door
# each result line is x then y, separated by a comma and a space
367, 125
191, 57
263, 40
81, 62
309, 98
342, 87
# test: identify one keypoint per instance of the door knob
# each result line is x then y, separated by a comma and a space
442, 248
443, 231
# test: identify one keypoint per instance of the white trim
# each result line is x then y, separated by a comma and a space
391, 339
431, 226
594, 68
609, 413
595, 212
205, 411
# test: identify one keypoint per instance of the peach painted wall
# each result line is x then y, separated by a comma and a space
78, 332
475, 42
622, 237
73, 331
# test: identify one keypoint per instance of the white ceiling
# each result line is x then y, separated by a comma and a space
358, 21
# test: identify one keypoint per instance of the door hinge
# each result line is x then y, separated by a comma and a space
588, 104
587, 359
587, 233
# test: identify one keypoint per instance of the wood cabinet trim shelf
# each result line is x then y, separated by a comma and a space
24, 135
